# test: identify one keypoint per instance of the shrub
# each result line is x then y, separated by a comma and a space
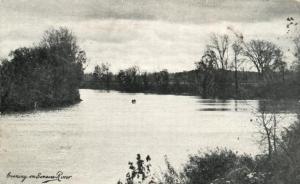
205, 168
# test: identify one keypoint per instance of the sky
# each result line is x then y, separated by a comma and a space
152, 34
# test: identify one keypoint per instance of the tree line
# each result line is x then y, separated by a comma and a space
218, 74
45, 75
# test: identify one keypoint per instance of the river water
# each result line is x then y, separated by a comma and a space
94, 140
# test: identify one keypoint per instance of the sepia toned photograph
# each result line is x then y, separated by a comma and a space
150, 92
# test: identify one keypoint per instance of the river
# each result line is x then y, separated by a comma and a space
94, 140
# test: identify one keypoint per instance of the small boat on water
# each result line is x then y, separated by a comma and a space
133, 101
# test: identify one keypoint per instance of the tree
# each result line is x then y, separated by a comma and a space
162, 81
102, 74
66, 60
267, 123
206, 67
129, 79
265, 56
279, 65
5, 81
287, 168
297, 47
145, 81
45, 75
220, 45
237, 50
297, 55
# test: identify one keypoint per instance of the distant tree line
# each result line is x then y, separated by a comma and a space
218, 74
129, 80
45, 75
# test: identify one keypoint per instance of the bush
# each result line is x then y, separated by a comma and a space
206, 168
287, 161
140, 172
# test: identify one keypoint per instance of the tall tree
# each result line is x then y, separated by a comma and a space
297, 53
66, 60
264, 55
206, 68
102, 74
220, 45
237, 50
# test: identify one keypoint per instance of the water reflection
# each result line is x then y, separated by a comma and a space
279, 106
267, 106
213, 101
226, 105
214, 109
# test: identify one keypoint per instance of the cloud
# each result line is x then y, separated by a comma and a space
152, 34
155, 45
196, 11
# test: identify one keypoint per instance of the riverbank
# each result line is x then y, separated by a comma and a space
250, 86
40, 108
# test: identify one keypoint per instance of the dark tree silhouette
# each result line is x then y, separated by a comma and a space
237, 51
102, 75
45, 75
207, 68
265, 56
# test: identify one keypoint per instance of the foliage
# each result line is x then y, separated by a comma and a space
217, 75
297, 63
207, 167
139, 172
265, 56
129, 79
220, 45
207, 67
287, 161
45, 75
194, 83
222, 166
171, 176
102, 75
